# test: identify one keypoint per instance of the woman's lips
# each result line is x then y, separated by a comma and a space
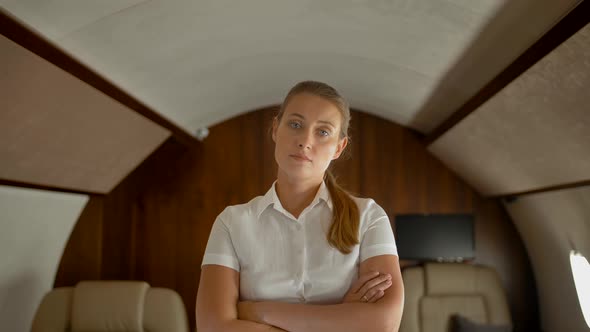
299, 158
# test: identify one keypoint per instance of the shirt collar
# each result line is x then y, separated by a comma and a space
271, 198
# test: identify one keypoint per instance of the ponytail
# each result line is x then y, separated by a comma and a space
343, 233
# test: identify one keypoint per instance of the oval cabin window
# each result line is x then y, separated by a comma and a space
581, 272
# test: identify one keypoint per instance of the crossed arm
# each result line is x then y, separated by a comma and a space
218, 307
217, 300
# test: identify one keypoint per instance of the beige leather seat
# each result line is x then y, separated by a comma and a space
436, 291
122, 306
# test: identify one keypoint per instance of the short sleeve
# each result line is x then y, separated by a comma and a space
377, 238
220, 249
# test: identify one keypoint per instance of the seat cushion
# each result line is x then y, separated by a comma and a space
436, 291
108, 306
53, 314
454, 279
462, 324
414, 291
451, 278
435, 311
164, 311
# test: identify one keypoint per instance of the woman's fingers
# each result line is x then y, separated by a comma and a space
362, 280
353, 294
378, 295
374, 282
378, 291
370, 287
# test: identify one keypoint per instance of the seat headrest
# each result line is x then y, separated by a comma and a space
108, 306
435, 291
455, 279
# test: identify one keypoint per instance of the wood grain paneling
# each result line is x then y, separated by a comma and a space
156, 223
82, 257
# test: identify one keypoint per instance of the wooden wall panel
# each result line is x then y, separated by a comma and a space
82, 257
157, 221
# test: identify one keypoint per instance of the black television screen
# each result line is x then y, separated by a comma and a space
435, 237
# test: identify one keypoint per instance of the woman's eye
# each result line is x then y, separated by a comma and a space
294, 125
324, 133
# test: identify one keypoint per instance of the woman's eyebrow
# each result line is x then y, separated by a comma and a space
320, 121
297, 115
327, 122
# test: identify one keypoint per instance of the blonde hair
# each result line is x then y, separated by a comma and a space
343, 232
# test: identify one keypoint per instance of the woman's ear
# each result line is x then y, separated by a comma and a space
341, 146
275, 124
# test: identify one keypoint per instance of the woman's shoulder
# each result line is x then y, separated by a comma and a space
242, 211
369, 208
362, 201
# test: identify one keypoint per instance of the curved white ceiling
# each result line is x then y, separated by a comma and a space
201, 62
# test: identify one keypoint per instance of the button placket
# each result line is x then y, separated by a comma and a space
303, 255
298, 243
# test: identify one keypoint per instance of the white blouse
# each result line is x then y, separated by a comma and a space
283, 258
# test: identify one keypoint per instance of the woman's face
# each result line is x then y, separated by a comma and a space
307, 137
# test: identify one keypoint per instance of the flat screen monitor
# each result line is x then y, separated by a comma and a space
435, 237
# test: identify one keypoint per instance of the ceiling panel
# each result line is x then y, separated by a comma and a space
534, 133
57, 131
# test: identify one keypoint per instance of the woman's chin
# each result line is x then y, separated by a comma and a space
298, 173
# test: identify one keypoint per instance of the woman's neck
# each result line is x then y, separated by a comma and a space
296, 195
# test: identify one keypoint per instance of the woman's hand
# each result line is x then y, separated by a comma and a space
370, 287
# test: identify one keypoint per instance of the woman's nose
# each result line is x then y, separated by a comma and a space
305, 146
305, 141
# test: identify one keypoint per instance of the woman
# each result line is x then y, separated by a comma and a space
307, 256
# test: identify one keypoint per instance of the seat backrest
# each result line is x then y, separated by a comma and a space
436, 291
122, 306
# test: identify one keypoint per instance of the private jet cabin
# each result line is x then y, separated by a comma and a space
128, 126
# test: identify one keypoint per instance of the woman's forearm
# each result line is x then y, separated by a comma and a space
247, 326
325, 318
236, 325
